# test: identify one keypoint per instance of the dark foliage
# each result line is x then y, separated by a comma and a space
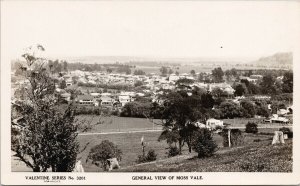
173, 151
251, 128
151, 156
203, 143
105, 150
287, 131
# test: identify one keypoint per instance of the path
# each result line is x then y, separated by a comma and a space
142, 131
123, 132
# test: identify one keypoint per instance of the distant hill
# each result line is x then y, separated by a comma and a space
280, 59
136, 59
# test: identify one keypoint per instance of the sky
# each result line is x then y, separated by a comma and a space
218, 29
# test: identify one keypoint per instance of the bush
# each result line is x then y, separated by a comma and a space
251, 127
102, 152
151, 156
287, 131
173, 151
203, 143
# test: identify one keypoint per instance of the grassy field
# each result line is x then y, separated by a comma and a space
241, 122
129, 142
119, 124
255, 157
131, 146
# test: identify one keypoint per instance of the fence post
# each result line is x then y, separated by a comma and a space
229, 143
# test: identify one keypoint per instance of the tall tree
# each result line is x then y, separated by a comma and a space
178, 112
65, 66
218, 74
47, 136
287, 86
163, 70
268, 85
240, 89
193, 73
63, 84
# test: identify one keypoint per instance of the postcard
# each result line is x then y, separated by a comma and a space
150, 92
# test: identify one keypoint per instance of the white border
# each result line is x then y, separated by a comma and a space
216, 178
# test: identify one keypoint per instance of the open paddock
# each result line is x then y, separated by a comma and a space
119, 124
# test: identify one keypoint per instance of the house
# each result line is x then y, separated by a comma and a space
200, 125
107, 101
276, 119
256, 76
123, 99
66, 96
173, 77
213, 123
85, 100
95, 94
69, 82
282, 112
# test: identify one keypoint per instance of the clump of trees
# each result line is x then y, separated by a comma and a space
45, 136
139, 108
139, 72
138, 83
105, 150
178, 112
57, 66
218, 74
126, 87
163, 70
124, 69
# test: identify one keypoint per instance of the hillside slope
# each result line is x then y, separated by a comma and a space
258, 157
277, 60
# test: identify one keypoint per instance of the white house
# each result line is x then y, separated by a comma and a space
123, 99
85, 100
95, 94
213, 123
66, 96
69, 82
173, 77
107, 101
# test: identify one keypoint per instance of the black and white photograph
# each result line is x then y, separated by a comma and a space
149, 92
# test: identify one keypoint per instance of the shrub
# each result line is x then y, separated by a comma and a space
102, 152
173, 151
203, 143
287, 131
115, 112
251, 127
151, 156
